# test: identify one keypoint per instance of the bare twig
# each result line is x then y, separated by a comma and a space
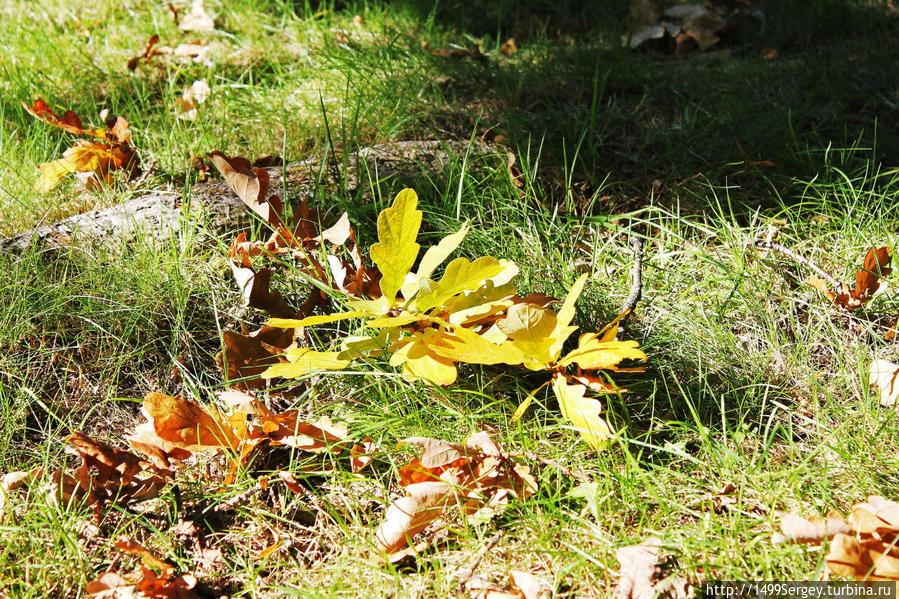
530, 455
469, 573
770, 245
636, 291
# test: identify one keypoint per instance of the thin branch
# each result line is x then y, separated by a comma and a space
469, 574
636, 291
530, 455
770, 245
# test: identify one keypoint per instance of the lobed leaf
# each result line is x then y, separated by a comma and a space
303, 361
582, 411
396, 250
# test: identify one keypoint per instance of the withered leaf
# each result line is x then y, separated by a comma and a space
91, 161
814, 530
149, 52
251, 186
884, 377
248, 356
255, 285
197, 19
187, 424
475, 481
642, 576
144, 582
862, 548
868, 281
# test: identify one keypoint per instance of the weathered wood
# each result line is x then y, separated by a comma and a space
159, 215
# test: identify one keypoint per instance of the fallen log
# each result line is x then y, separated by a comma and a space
159, 215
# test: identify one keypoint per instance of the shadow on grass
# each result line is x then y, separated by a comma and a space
727, 116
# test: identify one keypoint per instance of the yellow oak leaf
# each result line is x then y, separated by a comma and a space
527, 322
565, 316
429, 367
83, 157
462, 275
52, 173
593, 354
436, 254
304, 360
400, 320
295, 323
582, 411
396, 250
464, 345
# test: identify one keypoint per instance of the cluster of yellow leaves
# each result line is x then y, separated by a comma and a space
868, 281
862, 547
475, 476
92, 161
471, 314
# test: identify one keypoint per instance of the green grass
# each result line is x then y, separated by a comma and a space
753, 380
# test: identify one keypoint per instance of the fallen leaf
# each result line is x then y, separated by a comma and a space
520, 585
143, 583
93, 162
642, 576
862, 547
248, 356
361, 455
884, 377
481, 477
868, 281
509, 48
149, 53
187, 424
797, 529
197, 19
191, 98
251, 186
255, 285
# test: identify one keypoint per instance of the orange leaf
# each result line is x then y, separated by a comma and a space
188, 425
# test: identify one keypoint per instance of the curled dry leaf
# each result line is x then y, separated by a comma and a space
255, 285
521, 585
862, 547
884, 377
248, 356
642, 575
93, 162
474, 476
106, 475
696, 23
361, 455
868, 281
12, 481
149, 52
251, 186
191, 98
